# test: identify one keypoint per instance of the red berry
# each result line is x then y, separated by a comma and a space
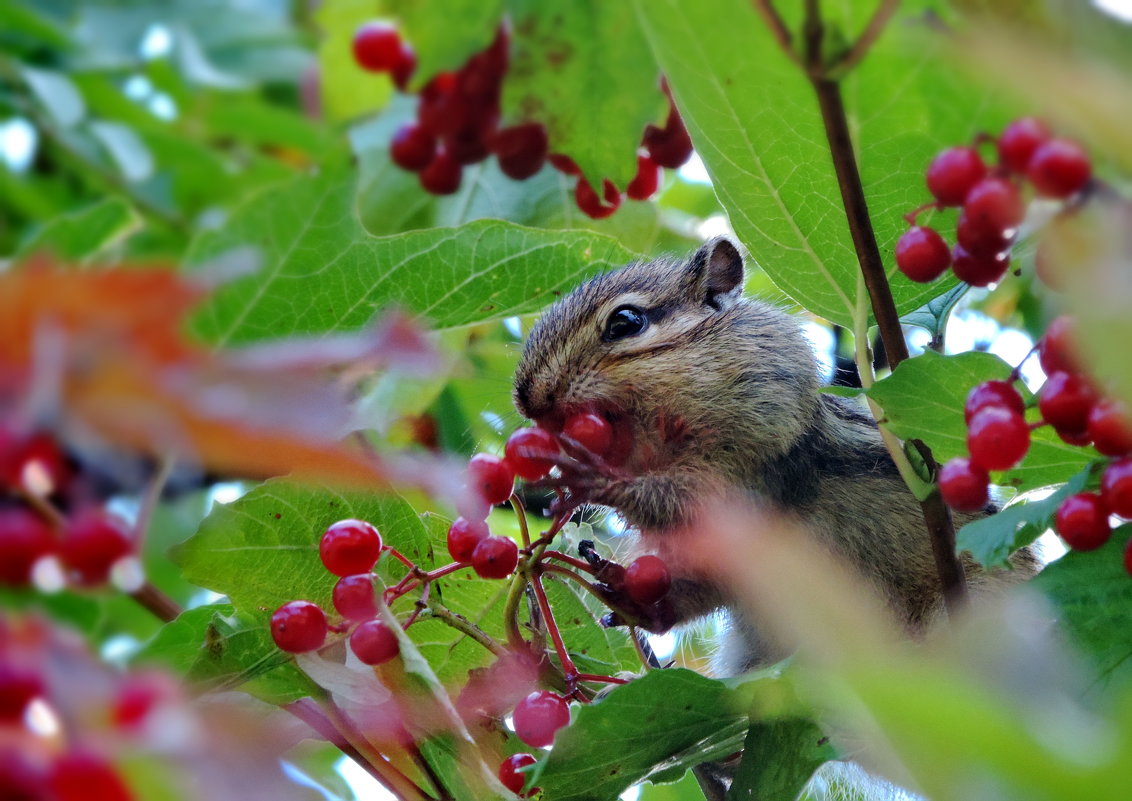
412, 148
374, 643
993, 393
520, 149
591, 205
997, 438
466, 147
539, 716
564, 164
994, 203
647, 579
531, 452
1116, 487
646, 181
92, 543
443, 175
1082, 521
1055, 349
495, 557
1110, 428
964, 485
404, 68
83, 776
464, 536
591, 431
491, 477
1019, 141
18, 687
377, 47
922, 255
1059, 168
981, 240
353, 597
350, 546
23, 455
953, 172
979, 269
669, 146
298, 626
20, 778
1065, 401
510, 776
25, 537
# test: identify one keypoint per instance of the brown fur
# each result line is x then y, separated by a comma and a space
722, 391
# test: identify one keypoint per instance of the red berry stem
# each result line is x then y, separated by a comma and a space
601, 679
408, 584
568, 668
521, 514
588, 587
911, 216
398, 556
421, 605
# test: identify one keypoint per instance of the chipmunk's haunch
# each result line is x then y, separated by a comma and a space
710, 390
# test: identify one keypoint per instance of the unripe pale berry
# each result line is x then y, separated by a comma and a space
539, 716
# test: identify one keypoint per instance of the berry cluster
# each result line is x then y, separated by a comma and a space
991, 201
81, 548
458, 123
998, 437
348, 549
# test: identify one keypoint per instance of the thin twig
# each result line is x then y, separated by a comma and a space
161, 605
466, 627
877, 23
777, 26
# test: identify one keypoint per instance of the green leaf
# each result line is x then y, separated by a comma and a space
666, 721
469, 26
933, 314
992, 539
223, 650
85, 233
923, 399
779, 757
58, 94
585, 71
127, 150
1093, 596
347, 91
322, 272
755, 122
262, 550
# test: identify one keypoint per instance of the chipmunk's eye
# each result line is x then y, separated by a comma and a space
626, 321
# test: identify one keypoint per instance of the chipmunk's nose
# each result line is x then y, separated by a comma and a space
530, 403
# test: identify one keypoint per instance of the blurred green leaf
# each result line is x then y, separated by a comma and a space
125, 147
469, 27
1092, 593
347, 91
83, 234
58, 95
932, 316
779, 757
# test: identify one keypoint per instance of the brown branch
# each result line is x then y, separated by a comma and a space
161, 605
941, 530
877, 23
777, 26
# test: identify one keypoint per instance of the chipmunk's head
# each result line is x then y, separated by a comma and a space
665, 347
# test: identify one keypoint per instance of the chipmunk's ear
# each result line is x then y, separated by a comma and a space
715, 273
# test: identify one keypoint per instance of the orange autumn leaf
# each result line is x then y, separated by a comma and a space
104, 354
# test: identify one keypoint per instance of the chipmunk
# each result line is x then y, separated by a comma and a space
712, 390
